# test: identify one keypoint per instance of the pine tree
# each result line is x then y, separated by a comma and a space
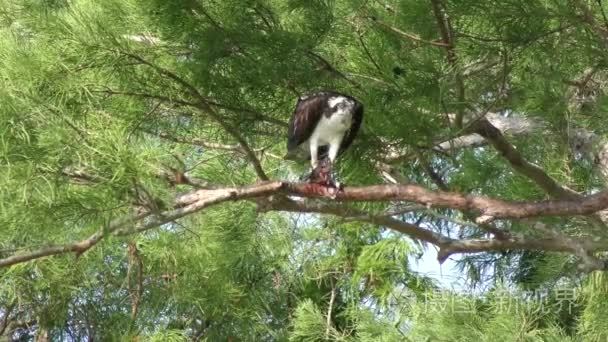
143, 195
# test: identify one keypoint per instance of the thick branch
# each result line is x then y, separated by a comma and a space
521, 165
271, 194
508, 126
448, 246
486, 206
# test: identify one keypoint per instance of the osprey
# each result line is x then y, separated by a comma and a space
323, 125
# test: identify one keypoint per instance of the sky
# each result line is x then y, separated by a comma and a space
446, 275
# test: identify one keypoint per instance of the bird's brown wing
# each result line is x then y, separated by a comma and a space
349, 136
305, 118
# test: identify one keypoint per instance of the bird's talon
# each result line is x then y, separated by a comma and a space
339, 186
333, 194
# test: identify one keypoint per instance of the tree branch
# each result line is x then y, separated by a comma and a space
202, 143
214, 146
327, 66
588, 17
271, 196
484, 205
145, 95
508, 126
212, 103
552, 244
135, 290
447, 34
6, 316
411, 230
203, 104
448, 246
410, 36
513, 156
77, 247
332, 297
499, 234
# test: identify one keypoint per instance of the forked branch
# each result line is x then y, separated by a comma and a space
203, 104
278, 196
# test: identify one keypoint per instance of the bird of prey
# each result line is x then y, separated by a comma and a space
323, 125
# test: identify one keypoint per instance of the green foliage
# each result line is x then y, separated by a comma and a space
382, 265
593, 325
94, 112
309, 324
509, 317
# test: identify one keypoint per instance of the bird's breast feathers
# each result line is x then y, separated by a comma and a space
336, 121
330, 129
323, 119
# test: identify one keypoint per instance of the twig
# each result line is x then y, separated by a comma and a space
212, 103
202, 143
144, 95
410, 36
371, 78
368, 53
588, 17
332, 297
143, 118
6, 318
203, 105
135, 293
447, 34
599, 2
329, 67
